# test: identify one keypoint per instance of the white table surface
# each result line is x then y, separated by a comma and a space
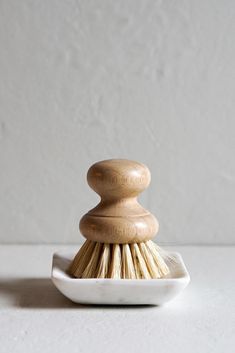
35, 317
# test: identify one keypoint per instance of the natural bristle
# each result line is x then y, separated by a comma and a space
119, 261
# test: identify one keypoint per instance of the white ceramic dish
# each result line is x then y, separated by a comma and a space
118, 292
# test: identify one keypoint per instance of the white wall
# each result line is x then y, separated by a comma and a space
82, 81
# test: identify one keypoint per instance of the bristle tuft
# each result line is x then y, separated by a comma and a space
81, 260
104, 264
116, 262
161, 264
91, 269
149, 260
138, 262
128, 270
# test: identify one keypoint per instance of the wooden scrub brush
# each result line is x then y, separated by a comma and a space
119, 230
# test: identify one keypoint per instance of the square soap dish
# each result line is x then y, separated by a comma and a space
119, 291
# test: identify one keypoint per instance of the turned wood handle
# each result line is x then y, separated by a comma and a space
118, 218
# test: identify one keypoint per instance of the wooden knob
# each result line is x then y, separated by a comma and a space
118, 178
118, 218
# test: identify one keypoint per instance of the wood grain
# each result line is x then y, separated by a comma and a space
118, 218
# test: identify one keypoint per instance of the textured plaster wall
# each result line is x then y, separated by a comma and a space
82, 81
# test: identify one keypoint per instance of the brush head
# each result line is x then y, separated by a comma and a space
119, 261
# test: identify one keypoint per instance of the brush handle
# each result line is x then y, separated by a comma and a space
118, 218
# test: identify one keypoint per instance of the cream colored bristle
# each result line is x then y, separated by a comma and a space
140, 266
149, 260
104, 264
162, 266
91, 269
82, 259
115, 266
128, 270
